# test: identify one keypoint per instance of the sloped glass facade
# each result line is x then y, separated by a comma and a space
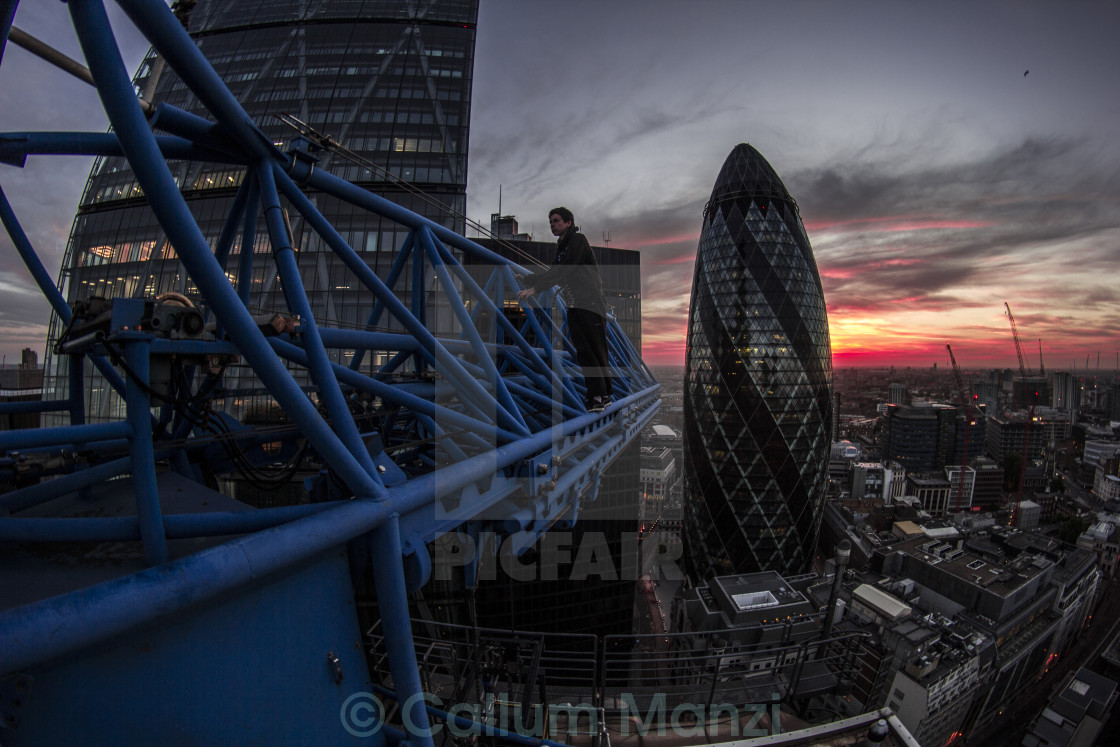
388, 79
758, 381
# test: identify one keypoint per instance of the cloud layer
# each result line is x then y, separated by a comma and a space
935, 179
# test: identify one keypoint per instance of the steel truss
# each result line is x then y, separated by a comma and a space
485, 429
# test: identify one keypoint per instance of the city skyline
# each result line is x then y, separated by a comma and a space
945, 158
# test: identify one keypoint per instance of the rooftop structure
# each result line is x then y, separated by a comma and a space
1077, 714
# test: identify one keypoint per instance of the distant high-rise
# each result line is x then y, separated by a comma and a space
575, 598
388, 79
758, 381
930, 437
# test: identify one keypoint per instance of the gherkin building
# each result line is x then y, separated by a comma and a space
758, 381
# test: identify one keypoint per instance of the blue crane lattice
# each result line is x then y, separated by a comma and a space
484, 428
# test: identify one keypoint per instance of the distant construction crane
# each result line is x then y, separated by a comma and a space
967, 422
1025, 373
1018, 346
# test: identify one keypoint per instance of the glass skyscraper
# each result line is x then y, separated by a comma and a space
389, 80
758, 381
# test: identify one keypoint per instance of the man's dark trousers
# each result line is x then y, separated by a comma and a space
588, 333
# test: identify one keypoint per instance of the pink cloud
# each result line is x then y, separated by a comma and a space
894, 224
672, 260
689, 238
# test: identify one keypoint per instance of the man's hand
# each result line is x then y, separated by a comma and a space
524, 295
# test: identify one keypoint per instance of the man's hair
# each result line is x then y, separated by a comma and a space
564, 213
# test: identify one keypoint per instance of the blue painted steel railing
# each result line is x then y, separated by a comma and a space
504, 435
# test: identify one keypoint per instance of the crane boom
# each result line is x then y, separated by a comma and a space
957, 375
1018, 346
967, 425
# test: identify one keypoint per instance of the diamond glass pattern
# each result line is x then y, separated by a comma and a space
758, 381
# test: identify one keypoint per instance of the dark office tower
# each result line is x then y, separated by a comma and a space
570, 596
758, 381
388, 79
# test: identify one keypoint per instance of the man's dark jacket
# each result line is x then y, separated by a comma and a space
576, 272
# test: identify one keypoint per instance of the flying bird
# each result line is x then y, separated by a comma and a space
1025, 74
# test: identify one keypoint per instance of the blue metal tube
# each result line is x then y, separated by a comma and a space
529, 370
418, 296
180, 51
195, 129
398, 396
178, 526
7, 13
483, 297
356, 338
433, 351
143, 455
556, 362
382, 294
450, 446
43, 631
42, 492
192, 347
318, 364
119, 100
229, 228
378, 307
31, 260
76, 373
355, 195
334, 337
248, 240
15, 147
46, 284
504, 323
63, 435
542, 400
392, 602
507, 411
517, 386
50, 405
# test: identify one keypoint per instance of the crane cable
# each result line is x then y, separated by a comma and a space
329, 143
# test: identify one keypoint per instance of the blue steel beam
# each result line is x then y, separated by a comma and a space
115, 90
46, 286
484, 459
248, 241
143, 454
398, 396
7, 13
38, 632
319, 366
177, 526
15, 147
508, 410
434, 352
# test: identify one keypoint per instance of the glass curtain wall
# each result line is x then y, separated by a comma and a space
758, 381
388, 79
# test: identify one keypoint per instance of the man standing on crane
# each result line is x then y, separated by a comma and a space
577, 273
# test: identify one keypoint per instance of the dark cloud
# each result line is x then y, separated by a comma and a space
932, 176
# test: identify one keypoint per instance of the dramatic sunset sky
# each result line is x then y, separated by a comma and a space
936, 176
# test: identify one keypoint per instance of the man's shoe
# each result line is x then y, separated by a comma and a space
599, 404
